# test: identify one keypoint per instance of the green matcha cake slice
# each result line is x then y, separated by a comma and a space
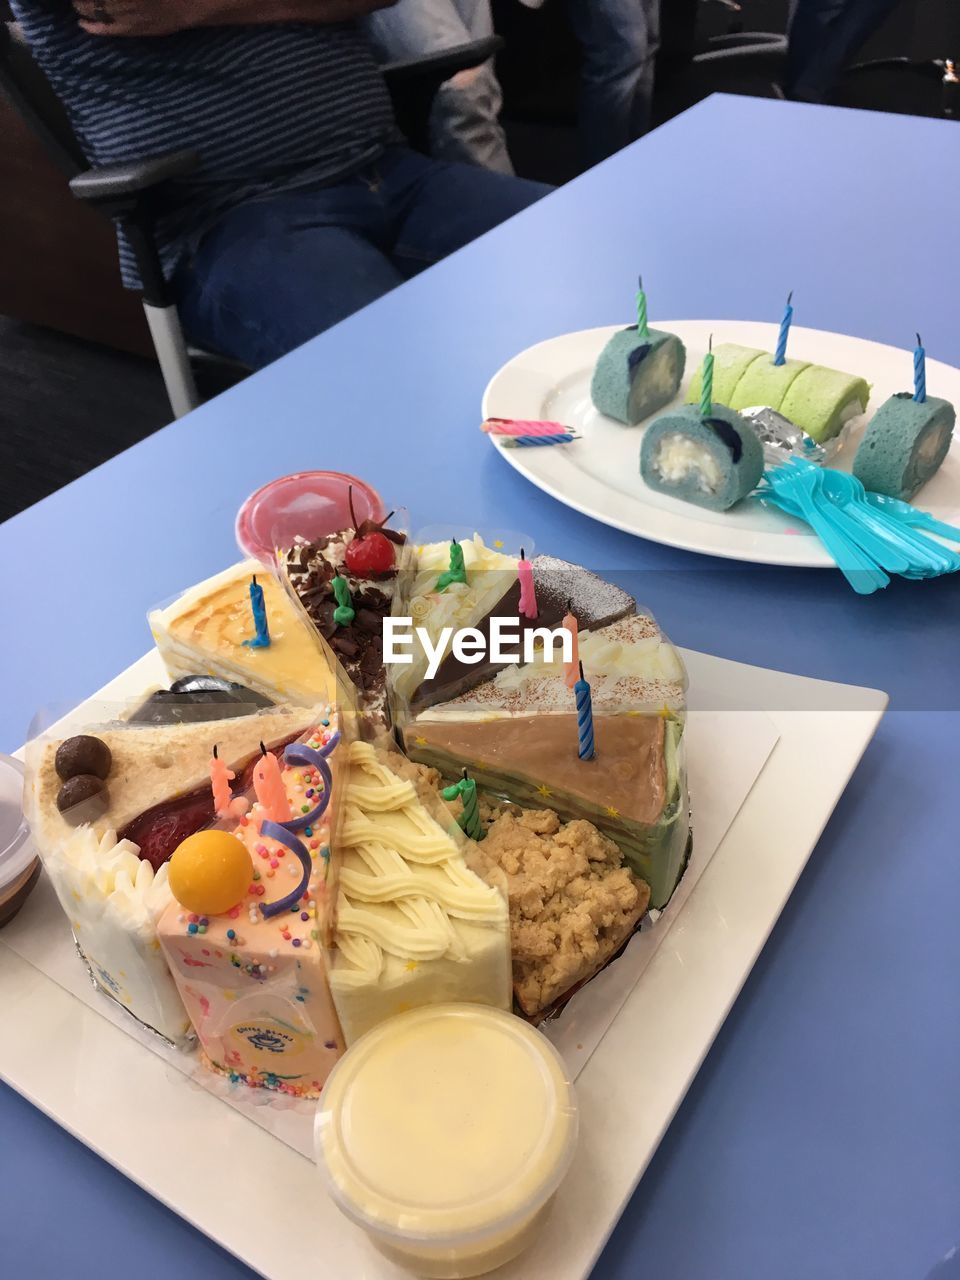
822, 400
730, 363
765, 383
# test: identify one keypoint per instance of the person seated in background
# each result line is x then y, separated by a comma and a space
307, 204
824, 36
464, 122
619, 40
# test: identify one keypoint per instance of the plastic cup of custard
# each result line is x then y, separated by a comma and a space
19, 864
444, 1133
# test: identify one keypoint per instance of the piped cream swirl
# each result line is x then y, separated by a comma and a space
403, 882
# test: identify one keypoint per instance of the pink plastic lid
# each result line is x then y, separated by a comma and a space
309, 503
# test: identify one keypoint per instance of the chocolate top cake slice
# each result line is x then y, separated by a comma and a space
560, 587
363, 566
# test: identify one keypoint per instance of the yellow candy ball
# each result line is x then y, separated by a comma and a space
210, 872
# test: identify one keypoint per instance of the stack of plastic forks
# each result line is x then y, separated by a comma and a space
869, 536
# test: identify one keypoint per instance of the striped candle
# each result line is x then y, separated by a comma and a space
585, 746
643, 329
522, 427
469, 818
781, 353
919, 373
570, 624
706, 382
537, 442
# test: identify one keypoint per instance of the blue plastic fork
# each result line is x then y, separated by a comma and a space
793, 488
927, 558
911, 515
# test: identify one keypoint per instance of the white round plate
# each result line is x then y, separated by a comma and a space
600, 474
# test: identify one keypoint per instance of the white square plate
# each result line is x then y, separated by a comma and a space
93, 1078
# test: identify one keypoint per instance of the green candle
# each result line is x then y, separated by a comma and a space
469, 818
456, 572
343, 615
706, 383
643, 329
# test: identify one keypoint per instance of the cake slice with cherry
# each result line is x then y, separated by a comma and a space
346, 583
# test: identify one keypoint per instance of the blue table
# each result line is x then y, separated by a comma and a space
820, 1138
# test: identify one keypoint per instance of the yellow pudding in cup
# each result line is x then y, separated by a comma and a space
444, 1133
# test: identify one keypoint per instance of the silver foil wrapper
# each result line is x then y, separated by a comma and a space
783, 439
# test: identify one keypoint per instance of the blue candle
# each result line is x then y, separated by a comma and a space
581, 689
781, 354
919, 372
262, 639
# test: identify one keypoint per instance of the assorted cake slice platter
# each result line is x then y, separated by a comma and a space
301, 837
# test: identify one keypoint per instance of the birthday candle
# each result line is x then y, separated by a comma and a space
781, 353
528, 594
585, 747
457, 571
220, 779
643, 329
343, 614
527, 442
268, 785
570, 668
262, 639
706, 382
919, 373
522, 427
469, 818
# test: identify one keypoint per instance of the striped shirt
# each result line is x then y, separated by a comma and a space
268, 108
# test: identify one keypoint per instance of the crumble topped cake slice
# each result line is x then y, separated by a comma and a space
573, 902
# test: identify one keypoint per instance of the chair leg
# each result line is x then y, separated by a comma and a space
171, 349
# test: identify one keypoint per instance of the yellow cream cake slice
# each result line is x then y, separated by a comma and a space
414, 924
206, 631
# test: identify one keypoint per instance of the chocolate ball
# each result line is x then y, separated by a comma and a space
82, 799
83, 754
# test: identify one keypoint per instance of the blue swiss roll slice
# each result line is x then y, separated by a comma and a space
635, 376
712, 461
904, 444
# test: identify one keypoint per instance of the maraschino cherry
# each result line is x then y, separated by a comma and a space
370, 551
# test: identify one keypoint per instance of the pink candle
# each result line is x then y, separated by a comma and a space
220, 779
522, 427
268, 784
571, 668
528, 595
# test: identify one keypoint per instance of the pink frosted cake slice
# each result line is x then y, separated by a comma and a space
254, 984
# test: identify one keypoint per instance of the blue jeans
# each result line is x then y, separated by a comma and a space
276, 271
824, 36
619, 39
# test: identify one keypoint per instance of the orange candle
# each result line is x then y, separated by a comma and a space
220, 779
268, 784
571, 668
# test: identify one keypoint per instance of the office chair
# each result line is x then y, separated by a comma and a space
126, 193
932, 40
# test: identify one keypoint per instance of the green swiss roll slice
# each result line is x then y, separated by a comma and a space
730, 363
904, 445
815, 398
635, 376
822, 400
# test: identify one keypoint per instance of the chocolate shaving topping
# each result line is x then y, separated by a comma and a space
359, 644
